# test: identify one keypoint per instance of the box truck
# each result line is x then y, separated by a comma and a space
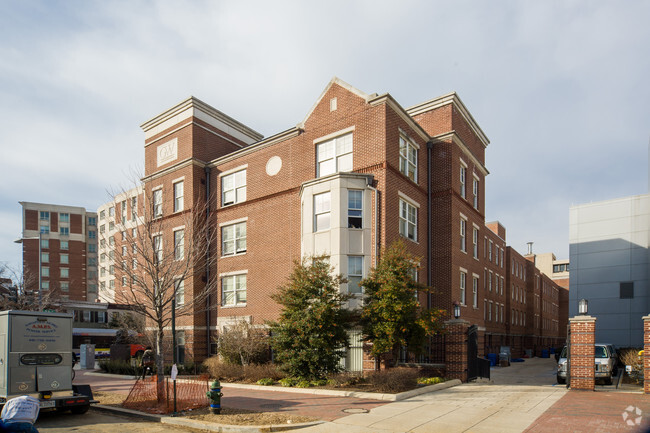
36, 360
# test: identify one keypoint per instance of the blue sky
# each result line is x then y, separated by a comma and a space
559, 87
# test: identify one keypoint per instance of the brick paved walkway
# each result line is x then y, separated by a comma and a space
323, 407
593, 412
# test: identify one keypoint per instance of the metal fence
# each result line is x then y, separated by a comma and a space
190, 394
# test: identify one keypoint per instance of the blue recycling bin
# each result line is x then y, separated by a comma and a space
492, 357
545, 353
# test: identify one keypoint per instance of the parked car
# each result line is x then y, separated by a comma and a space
606, 363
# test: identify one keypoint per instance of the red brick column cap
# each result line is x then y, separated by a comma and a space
582, 319
646, 318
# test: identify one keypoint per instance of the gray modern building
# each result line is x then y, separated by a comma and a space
609, 266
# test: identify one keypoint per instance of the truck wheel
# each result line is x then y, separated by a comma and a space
561, 380
79, 410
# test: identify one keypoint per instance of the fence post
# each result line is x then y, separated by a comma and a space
456, 349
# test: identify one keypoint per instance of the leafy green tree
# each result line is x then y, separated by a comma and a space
391, 316
310, 335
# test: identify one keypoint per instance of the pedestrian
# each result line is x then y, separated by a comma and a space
148, 360
19, 415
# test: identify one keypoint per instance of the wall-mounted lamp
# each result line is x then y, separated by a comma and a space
582, 307
456, 310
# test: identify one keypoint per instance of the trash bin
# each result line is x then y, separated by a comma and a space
545, 353
492, 357
503, 359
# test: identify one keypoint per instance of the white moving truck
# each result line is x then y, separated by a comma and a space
36, 360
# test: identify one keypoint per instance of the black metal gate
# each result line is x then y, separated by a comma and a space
476, 367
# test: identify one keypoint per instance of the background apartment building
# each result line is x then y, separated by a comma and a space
68, 251
358, 173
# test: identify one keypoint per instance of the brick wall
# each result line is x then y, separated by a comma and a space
582, 352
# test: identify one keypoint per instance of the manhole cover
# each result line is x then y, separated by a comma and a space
271, 406
355, 410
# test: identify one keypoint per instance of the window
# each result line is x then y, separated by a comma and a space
157, 203
92, 221
45, 229
45, 285
92, 234
233, 188
45, 257
134, 263
111, 284
64, 245
496, 255
125, 250
123, 234
65, 286
64, 217
92, 248
463, 173
355, 209
124, 281
490, 282
233, 239
111, 254
407, 220
111, 270
463, 280
463, 225
179, 244
180, 293
627, 290
45, 216
111, 240
334, 155
111, 211
178, 196
65, 259
475, 242
233, 290
92, 261
123, 211
102, 271
475, 291
490, 250
102, 215
355, 274
45, 243
102, 258
408, 158
322, 211
65, 273
490, 312
475, 191
45, 271
134, 208
111, 226
157, 247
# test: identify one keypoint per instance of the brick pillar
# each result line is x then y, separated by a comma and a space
456, 349
583, 355
646, 354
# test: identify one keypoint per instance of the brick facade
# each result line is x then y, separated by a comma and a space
281, 175
582, 353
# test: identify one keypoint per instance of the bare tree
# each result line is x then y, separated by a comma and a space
15, 295
160, 260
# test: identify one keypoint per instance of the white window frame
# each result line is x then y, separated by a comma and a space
408, 157
463, 234
321, 211
179, 244
178, 189
475, 242
235, 278
236, 239
179, 288
354, 279
158, 247
463, 286
463, 178
238, 187
475, 188
355, 213
335, 152
475, 290
408, 219
157, 202
64, 258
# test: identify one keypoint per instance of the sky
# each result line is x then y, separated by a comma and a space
559, 87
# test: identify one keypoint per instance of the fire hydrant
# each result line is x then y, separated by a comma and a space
214, 395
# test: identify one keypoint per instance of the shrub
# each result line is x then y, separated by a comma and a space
319, 382
430, 380
288, 381
394, 380
240, 373
345, 379
267, 381
121, 367
244, 343
303, 384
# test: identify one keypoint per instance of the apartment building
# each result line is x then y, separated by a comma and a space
68, 251
356, 174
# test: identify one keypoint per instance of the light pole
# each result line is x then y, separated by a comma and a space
40, 265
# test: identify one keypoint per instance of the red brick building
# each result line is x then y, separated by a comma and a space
68, 251
358, 173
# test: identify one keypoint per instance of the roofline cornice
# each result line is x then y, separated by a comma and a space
387, 99
454, 99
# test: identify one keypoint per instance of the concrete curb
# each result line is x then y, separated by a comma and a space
355, 394
203, 425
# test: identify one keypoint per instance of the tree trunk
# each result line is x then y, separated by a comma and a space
160, 366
